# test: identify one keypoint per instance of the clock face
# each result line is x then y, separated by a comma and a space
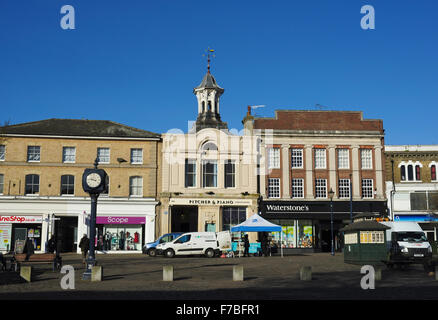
93, 180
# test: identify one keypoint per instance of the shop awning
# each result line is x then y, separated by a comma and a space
255, 223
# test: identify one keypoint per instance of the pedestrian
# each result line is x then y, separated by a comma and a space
246, 246
264, 244
84, 244
51, 244
28, 248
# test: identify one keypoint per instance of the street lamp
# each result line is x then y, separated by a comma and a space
331, 194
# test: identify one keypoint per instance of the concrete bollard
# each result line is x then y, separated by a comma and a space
377, 273
26, 273
97, 273
306, 273
167, 273
237, 273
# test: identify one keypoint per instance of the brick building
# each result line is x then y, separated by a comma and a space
412, 185
304, 155
41, 167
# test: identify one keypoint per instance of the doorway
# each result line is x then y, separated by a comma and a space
184, 219
66, 233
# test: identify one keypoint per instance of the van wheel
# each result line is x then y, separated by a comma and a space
152, 252
169, 253
209, 253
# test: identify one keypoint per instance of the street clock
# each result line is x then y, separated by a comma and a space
94, 181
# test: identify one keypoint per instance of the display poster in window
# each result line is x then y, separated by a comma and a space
30, 233
19, 246
306, 237
37, 233
5, 236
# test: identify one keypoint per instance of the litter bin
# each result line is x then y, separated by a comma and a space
365, 242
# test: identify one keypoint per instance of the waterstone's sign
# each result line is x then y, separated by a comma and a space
210, 202
288, 208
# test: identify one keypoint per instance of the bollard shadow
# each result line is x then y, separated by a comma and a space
249, 278
182, 278
113, 277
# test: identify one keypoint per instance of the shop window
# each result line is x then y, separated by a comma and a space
69, 154
343, 159
418, 200
2, 152
371, 237
288, 234
367, 188
366, 157
32, 184
321, 188
232, 216
137, 156
297, 158
190, 173
209, 174
344, 188
297, 188
136, 186
273, 158
33, 153
230, 174
103, 155
119, 237
320, 159
350, 238
67, 185
2, 183
305, 234
273, 188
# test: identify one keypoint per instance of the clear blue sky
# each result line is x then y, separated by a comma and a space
136, 62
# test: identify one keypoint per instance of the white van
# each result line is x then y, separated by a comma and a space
197, 243
407, 243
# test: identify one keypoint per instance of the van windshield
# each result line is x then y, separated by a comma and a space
411, 236
183, 239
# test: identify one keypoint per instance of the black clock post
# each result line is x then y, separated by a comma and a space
93, 182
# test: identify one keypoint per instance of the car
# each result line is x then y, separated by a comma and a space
151, 247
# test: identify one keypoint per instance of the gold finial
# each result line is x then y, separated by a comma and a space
208, 53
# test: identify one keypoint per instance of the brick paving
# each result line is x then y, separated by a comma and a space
198, 278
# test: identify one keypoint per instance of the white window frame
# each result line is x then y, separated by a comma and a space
137, 187
344, 188
232, 174
297, 188
2, 152
32, 184
414, 170
135, 158
65, 155
366, 159
68, 184
33, 153
213, 174
99, 155
193, 162
343, 158
297, 158
2, 183
274, 158
372, 237
320, 188
367, 189
274, 188
320, 158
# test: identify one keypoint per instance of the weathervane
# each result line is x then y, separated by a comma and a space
208, 53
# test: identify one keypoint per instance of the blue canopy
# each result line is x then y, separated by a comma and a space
255, 223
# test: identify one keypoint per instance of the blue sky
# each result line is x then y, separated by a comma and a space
136, 62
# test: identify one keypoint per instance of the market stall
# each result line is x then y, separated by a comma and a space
255, 223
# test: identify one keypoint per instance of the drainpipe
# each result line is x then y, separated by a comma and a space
392, 192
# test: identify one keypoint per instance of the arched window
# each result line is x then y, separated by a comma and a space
208, 146
32, 184
403, 173
410, 172
417, 173
433, 172
203, 106
209, 106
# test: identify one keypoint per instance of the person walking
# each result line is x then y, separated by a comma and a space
51, 244
246, 246
84, 244
29, 248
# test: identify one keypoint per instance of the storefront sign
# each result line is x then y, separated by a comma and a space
210, 202
21, 219
120, 220
417, 218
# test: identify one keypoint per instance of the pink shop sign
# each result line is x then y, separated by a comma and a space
120, 220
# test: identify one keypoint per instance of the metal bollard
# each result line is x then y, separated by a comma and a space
167, 273
237, 273
306, 273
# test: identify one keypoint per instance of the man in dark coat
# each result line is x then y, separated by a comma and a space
246, 246
84, 244
51, 244
28, 248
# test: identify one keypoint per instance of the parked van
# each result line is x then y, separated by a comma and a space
197, 243
407, 243
151, 247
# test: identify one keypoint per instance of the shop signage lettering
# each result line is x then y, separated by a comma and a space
211, 202
288, 208
120, 220
21, 219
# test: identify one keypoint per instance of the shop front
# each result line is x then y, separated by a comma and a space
306, 225
15, 229
120, 233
